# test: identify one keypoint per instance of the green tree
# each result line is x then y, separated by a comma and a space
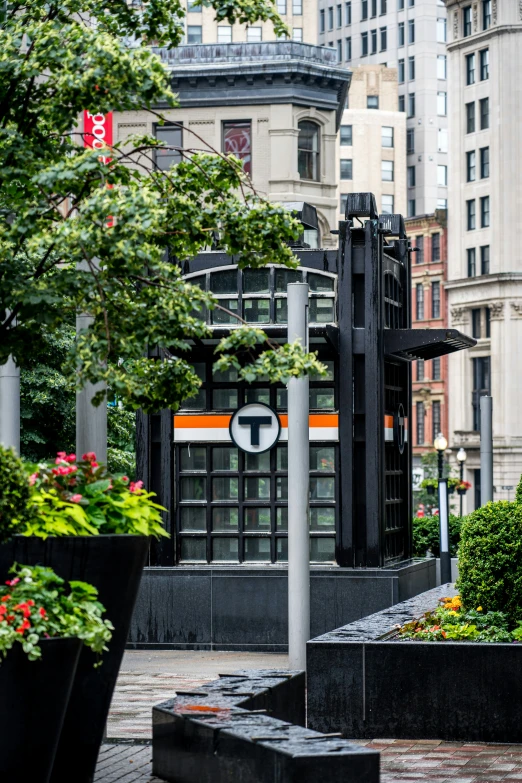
60, 254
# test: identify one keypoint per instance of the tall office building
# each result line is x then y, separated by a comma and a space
485, 205
409, 35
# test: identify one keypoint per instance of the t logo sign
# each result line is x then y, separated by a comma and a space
255, 428
254, 422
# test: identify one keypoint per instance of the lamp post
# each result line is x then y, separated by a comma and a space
461, 457
441, 444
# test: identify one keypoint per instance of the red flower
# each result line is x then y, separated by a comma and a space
41, 612
3, 610
13, 582
30, 602
5, 597
124, 478
24, 627
136, 486
94, 465
71, 458
89, 456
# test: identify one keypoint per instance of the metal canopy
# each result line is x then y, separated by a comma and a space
413, 344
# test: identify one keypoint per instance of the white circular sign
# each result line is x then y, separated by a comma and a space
255, 428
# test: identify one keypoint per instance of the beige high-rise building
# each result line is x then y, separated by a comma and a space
485, 222
372, 150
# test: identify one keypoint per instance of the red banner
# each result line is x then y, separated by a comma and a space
97, 131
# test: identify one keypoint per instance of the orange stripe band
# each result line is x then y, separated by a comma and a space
211, 421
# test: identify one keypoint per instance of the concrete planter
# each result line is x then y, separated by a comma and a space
365, 685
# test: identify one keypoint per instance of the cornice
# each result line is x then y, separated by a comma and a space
482, 36
482, 280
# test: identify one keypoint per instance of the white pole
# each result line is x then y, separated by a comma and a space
298, 488
10, 405
486, 450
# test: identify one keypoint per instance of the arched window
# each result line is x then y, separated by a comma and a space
308, 150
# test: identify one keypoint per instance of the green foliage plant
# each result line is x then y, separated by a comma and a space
14, 493
80, 497
38, 604
426, 535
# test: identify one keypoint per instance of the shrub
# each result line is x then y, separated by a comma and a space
426, 535
490, 559
14, 493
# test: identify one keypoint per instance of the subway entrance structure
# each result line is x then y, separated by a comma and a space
221, 580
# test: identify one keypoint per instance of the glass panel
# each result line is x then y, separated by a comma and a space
329, 371
282, 519
194, 519
322, 518
194, 549
225, 458
224, 282
257, 519
321, 311
199, 281
322, 488
257, 461
282, 550
282, 399
220, 317
322, 398
256, 281
281, 308
225, 549
257, 549
322, 458
257, 395
282, 488
322, 549
225, 519
256, 311
224, 488
225, 376
193, 458
197, 403
285, 276
237, 136
192, 488
224, 398
282, 458
257, 488
320, 282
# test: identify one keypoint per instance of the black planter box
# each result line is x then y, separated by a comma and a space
113, 564
33, 700
365, 686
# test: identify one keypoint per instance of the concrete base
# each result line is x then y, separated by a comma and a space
454, 570
245, 608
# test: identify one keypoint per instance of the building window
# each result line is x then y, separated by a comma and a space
411, 68
383, 7
237, 140
339, 15
348, 13
442, 139
402, 103
364, 10
484, 162
435, 370
411, 177
386, 136
308, 150
470, 117
400, 73
484, 64
470, 166
194, 34
364, 44
484, 113
484, 260
297, 35
435, 298
411, 104
466, 19
348, 44
224, 34
419, 244
442, 203
387, 170
470, 69
322, 26
346, 168
373, 39
475, 323
339, 51
441, 66
481, 386
386, 205
410, 141
472, 257
484, 212
400, 5
487, 314
254, 34
346, 135
344, 201
435, 246
419, 302
419, 408
330, 18
486, 14
400, 31
374, 8
411, 31
297, 7
193, 9
471, 215
441, 30
384, 39
372, 102
281, 7
442, 176
172, 136
435, 419
442, 104
420, 369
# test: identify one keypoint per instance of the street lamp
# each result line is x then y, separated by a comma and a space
461, 457
441, 444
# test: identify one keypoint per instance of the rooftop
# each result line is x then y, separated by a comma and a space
200, 54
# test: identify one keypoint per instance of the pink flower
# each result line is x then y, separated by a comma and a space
13, 582
94, 465
32, 478
136, 486
70, 458
89, 456
60, 454
76, 498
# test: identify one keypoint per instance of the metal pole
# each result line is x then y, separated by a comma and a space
461, 480
440, 462
298, 488
445, 560
10, 405
486, 450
